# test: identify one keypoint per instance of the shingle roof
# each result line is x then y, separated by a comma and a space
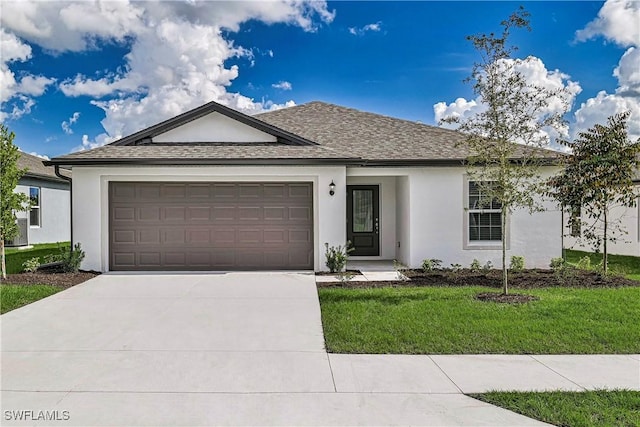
211, 153
35, 168
367, 135
342, 135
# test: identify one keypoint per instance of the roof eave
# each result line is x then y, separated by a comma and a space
204, 162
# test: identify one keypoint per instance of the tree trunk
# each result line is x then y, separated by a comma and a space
503, 226
604, 249
4, 266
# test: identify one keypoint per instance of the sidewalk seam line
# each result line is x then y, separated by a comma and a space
445, 374
333, 379
556, 372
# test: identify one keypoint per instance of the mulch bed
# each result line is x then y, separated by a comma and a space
527, 279
63, 280
506, 299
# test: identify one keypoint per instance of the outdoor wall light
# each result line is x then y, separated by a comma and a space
332, 188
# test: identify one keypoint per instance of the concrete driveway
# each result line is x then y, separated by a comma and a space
200, 349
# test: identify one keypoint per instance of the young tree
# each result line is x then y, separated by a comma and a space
10, 201
598, 175
504, 140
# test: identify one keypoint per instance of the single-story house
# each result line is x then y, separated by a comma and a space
627, 240
215, 189
48, 220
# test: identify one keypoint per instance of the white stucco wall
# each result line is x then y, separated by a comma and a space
403, 220
626, 244
90, 204
214, 127
437, 224
55, 225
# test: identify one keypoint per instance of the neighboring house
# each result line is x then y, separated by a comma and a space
214, 189
627, 243
48, 219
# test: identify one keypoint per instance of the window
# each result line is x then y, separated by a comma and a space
484, 215
575, 221
34, 215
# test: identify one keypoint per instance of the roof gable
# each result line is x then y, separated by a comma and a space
147, 135
214, 127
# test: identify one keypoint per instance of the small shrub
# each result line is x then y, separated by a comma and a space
398, 267
557, 263
584, 263
517, 263
51, 258
337, 257
475, 266
456, 267
487, 266
31, 265
564, 273
431, 264
71, 258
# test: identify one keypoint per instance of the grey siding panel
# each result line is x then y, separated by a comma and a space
210, 226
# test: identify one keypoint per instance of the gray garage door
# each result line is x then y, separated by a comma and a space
210, 226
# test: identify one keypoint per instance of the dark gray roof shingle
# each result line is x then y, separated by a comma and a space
35, 168
343, 135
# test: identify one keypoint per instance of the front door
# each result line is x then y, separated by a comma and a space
363, 225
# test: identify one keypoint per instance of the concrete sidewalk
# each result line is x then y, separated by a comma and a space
482, 373
245, 349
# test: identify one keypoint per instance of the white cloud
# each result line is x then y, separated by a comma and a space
625, 98
66, 125
42, 156
17, 94
617, 21
178, 56
374, 27
282, 85
536, 74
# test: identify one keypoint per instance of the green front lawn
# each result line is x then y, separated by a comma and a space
622, 264
15, 257
577, 409
15, 296
445, 320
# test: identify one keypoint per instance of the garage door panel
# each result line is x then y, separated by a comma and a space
148, 213
124, 237
148, 237
173, 191
274, 191
210, 226
123, 214
148, 191
172, 236
149, 259
199, 213
224, 213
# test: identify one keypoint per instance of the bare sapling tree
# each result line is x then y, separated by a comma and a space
505, 139
598, 176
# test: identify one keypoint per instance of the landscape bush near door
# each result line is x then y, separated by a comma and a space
337, 257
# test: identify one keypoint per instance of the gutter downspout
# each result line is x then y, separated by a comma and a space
70, 181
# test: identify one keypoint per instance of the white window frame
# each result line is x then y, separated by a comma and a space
38, 207
481, 244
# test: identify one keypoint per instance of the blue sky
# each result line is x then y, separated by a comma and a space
68, 83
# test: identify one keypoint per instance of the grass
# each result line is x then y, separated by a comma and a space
622, 264
446, 320
576, 409
15, 296
15, 257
